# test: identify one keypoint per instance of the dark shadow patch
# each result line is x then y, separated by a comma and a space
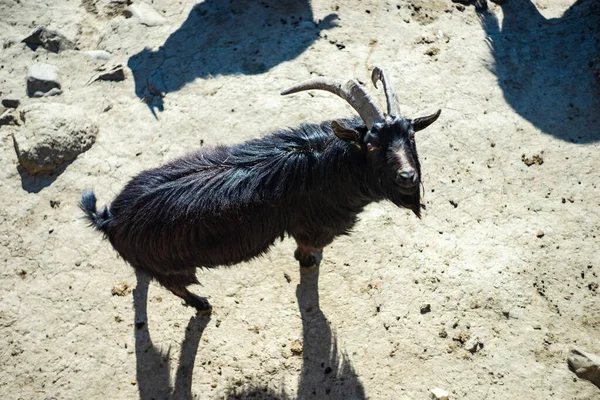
548, 68
256, 393
153, 365
35, 183
326, 372
225, 37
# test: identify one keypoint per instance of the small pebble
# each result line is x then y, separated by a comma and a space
439, 394
473, 345
101, 55
11, 103
296, 347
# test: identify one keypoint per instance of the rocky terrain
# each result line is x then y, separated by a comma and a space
493, 294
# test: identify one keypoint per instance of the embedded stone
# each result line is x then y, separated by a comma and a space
50, 40
42, 80
145, 14
52, 135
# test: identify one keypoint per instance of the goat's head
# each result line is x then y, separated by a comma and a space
387, 140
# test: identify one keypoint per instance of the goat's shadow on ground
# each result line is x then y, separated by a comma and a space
326, 372
153, 370
549, 69
224, 37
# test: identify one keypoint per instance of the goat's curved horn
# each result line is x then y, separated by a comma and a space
393, 106
351, 91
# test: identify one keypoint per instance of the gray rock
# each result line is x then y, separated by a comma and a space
585, 365
115, 7
9, 117
145, 14
50, 40
115, 73
9, 42
52, 134
42, 80
11, 103
105, 8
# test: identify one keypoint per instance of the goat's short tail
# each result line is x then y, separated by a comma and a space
98, 220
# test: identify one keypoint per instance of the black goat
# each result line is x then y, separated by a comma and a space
224, 205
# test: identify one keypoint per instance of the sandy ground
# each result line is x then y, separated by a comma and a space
506, 255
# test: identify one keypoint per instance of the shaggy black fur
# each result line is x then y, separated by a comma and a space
224, 205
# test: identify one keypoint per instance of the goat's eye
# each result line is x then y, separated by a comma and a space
411, 136
371, 147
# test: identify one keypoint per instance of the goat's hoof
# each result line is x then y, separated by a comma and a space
205, 313
204, 309
201, 304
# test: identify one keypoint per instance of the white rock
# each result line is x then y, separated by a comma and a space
473, 345
98, 54
145, 14
439, 394
42, 80
43, 71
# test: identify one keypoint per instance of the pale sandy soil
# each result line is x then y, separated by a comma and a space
505, 253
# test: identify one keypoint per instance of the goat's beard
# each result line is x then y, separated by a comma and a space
410, 201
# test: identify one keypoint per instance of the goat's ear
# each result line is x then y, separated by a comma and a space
423, 122
346, 134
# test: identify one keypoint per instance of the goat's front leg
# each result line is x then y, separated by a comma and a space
310, 252
307, 255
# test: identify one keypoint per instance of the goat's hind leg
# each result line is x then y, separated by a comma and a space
177, 284
201, 304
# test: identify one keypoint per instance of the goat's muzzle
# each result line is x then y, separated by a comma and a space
408, 180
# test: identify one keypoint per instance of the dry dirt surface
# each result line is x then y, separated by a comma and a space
483, 297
